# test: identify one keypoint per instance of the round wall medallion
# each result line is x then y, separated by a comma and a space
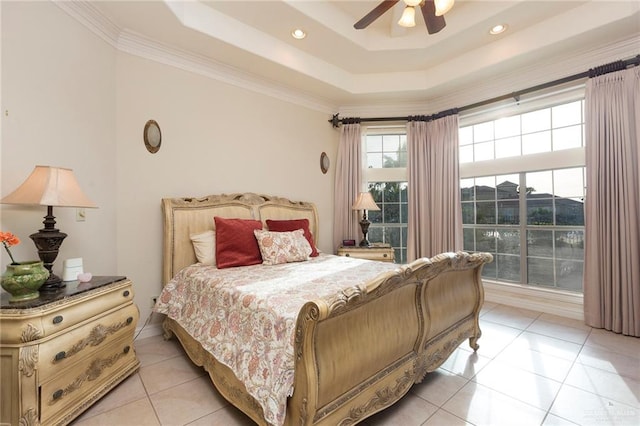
152, 136
324, 162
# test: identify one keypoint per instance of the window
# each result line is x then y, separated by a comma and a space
386, 159
529, 211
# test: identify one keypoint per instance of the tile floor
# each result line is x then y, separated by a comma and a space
531, 368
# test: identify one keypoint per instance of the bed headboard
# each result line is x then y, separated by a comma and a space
183, 217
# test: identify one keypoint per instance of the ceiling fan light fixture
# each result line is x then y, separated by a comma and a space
412, 3
443, 6
408, 18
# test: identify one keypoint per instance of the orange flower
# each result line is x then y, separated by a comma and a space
8, 240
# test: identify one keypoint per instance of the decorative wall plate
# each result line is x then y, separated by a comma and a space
324, 162
152, 136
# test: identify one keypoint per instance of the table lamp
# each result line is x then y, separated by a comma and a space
365, 202
49, 186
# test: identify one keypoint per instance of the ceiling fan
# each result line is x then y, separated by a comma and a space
432, 12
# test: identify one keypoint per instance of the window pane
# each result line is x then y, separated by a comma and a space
391, 213
374, 143
508, 147
391, 143
569, 211
486, 240
568, 182
540, 243
486, 212
466, 189
509, 212
570, 244
536, 142
569, 274
540, 212
466, 154
509, 242
540, 271
465, 135
486, 188
483, 151
507, 126
374, 161
393, 236
508, 187
536, 121
467, 213
483, 132
567, 137
468, 241
567, 114
539, 184
508, 267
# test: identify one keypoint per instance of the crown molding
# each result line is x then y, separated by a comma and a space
88, 15
125, 41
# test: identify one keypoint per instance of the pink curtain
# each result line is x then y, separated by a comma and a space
435, 212
612, 207
347, 184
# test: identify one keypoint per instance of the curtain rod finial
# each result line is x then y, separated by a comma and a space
335, 120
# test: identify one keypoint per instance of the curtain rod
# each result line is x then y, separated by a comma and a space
592, 72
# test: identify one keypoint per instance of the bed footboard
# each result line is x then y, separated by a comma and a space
362, 351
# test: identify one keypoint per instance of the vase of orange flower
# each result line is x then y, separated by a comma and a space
21, 279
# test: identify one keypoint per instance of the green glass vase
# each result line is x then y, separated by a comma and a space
23, 279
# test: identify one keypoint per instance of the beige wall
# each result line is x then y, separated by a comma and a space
77, 102
58, 109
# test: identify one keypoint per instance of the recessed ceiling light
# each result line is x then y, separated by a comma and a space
298, 34
500, 28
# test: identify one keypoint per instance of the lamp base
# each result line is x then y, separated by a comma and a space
364, 227
365, 242
48, 241
52, 284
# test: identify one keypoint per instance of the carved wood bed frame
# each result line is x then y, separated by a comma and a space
363, 351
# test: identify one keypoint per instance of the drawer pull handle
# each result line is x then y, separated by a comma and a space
60, 356
129, 320
126, 349
125, 293
58, 394
384, 255
347, 255
57, 319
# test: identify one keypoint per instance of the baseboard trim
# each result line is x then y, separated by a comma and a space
562, 303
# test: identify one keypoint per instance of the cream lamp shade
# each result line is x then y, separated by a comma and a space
365, 202
49, 186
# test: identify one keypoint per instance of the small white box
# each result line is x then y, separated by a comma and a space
71, 268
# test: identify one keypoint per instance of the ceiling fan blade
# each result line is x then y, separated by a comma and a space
375, 14
434, 23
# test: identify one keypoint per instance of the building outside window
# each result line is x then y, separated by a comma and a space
529, 215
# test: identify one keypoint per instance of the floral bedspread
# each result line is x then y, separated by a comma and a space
246, 316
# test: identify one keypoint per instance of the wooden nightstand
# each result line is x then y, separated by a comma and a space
380, 252
63, 351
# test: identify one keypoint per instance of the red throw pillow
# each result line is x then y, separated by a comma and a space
236, 245
292, 225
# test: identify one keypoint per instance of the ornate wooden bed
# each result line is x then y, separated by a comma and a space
358, 352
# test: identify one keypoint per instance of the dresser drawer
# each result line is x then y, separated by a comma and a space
75, 311
83, 341
81, 383
381, 254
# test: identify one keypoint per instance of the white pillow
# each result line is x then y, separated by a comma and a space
282, 247
204, 245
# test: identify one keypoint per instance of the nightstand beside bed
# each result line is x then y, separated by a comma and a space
61, 352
